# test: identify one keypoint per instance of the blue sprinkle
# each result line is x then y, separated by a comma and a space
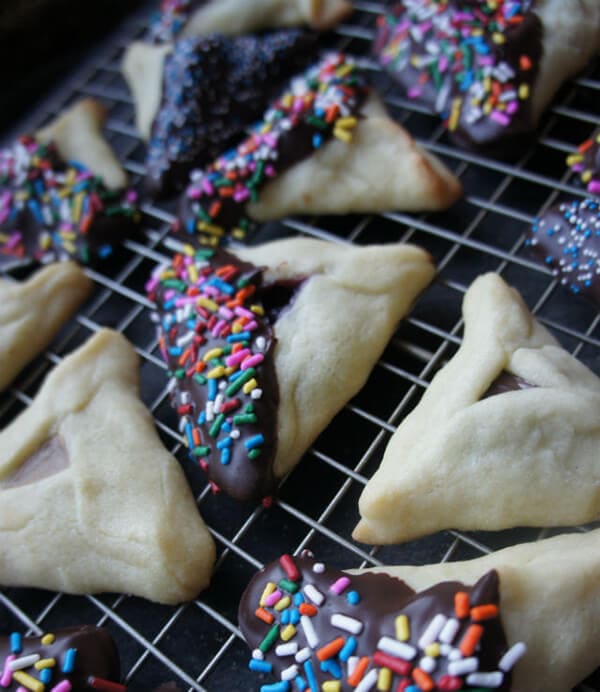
260, 666
255, 441
15, 643
310, 674
353, 597
348, 649
69, 661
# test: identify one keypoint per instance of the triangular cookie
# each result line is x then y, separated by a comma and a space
524, 619
202, 17
90, 500
508, 426
32, 312
266, 344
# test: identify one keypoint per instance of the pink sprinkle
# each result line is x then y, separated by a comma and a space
64, 686
340, 585
594, 187
500, 117
254, 360
6, 678
237, 358
272, 598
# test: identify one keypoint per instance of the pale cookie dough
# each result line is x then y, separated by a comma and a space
90, 500
32, 312
301, 322
549, 599
201, 17
471, 457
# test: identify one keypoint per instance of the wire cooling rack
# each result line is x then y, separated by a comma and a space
199, 644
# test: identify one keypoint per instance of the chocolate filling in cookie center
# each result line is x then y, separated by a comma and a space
507, 382
51, 458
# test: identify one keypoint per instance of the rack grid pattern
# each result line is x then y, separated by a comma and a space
199, 644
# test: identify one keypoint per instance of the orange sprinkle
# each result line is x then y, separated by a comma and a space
525, 62
264, 615
307, 608
359, 671
584, 146
469, 642
484, 612
423, 680
330, 650
462, 605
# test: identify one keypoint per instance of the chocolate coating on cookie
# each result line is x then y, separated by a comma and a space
474, 61
507, 382
567, 239
55, 210
322, 103
213, 88
332, 625
73, 654
216, 324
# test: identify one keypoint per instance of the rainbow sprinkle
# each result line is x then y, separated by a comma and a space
321, 103
473, 61
586, 162
53, 210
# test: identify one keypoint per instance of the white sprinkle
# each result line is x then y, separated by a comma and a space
368, 682
395, 648
256, 393
258, 655
486, 679
312, 593
510, 658
309, 631
433, 630
319, 567
288, 649
352, 663
303, 655
23, 662
428, 664
449, 631
467, 665
289, 673
346, 623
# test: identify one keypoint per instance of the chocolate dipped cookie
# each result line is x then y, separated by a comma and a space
90, 500
60, 194
509, 423
325, 146
490, 67
239, 331
322, 629
183, 18
73, 659
212, 89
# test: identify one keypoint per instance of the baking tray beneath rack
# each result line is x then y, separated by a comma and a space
199, 644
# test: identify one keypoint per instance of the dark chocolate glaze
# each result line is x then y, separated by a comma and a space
507, 382
567, 239
112, 220
484, 133
96, 656
243, 478
213, 88
382, 599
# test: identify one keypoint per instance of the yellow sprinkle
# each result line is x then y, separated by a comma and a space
213, 353
249, 386
28, 681
573, 159
208, 304
257, 310
402, 628
47, 639
344, 135
210, 228
215, 373
433, 650
454, 114
586, 176
524, 92
498, 38
283, 603
346, 123
268, 590
331, 686
238, 233
288, 632
384, 681
45, 663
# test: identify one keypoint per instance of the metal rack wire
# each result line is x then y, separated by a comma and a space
199, 644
